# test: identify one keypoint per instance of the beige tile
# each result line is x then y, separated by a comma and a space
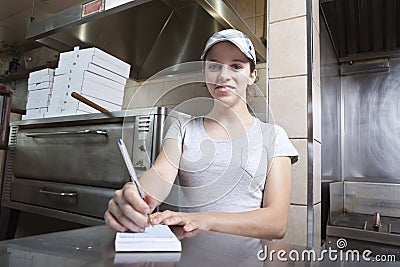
317, 226
195, 106
15, 116
260, 8
128, 93
299, 173
288, 48
286, 9
136, 97
156, 93
261, 66
132, 83
316, 63
296, 232
152, 80
316, 172
246, 8
179, 94
261, 84
260, 27
315, 11
288, 104
316, 104
260, 105
251, 22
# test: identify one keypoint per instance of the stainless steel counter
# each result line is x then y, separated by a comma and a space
94, 246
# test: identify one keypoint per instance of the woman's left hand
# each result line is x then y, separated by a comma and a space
190, 221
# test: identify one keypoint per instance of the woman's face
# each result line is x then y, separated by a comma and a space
227, 73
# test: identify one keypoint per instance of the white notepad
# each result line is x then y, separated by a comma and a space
154, 238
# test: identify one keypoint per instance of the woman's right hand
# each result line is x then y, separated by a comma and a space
127, 211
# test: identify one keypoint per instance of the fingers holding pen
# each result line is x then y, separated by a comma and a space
127, 209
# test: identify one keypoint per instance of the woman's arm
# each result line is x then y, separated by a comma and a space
268, 222
127, 210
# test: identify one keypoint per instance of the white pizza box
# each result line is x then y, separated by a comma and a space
58, 104
99, 91
42, 75
38, 98
88, 54
89, 87
72, 103
78, 69
69, 66
41, 85
75, 81
35, 113
62, 112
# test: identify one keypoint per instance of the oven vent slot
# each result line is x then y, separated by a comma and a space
144, 124
8, 174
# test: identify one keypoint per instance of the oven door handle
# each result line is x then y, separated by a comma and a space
61, 194
44, 134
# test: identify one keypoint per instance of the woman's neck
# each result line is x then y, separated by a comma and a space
230, 114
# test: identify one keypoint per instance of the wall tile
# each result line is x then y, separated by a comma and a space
286, 9
297, 225
299, 173
195, 106
177, 95
261, 84
288, 48
316, 56
260, 27
251, 22
246, 8
315, 11
132, 83
261, 8
288, 104
317, 226
156, 93
136, 97
316, 172
260, 105
316, 103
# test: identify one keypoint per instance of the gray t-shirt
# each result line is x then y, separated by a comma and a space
225, 175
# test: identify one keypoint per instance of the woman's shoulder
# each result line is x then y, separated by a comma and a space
185, 123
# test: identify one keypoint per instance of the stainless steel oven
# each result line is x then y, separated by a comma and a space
69, 167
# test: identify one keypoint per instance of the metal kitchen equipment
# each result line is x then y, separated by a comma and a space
365, 212
69, 167
149, 35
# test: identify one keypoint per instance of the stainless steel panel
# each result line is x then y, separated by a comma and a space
372, 124
336, 200
330, 109
87, 200
86, 155
369, 197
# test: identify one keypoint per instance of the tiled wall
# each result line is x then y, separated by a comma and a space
288, 94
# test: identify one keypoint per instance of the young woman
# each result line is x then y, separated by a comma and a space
234, 170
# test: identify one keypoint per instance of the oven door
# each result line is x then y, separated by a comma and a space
80, 154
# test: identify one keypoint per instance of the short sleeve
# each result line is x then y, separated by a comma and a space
281, 146
175, 130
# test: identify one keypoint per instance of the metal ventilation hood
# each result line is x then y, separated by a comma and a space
363, 29
149, 35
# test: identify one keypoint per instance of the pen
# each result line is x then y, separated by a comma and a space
132, 172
